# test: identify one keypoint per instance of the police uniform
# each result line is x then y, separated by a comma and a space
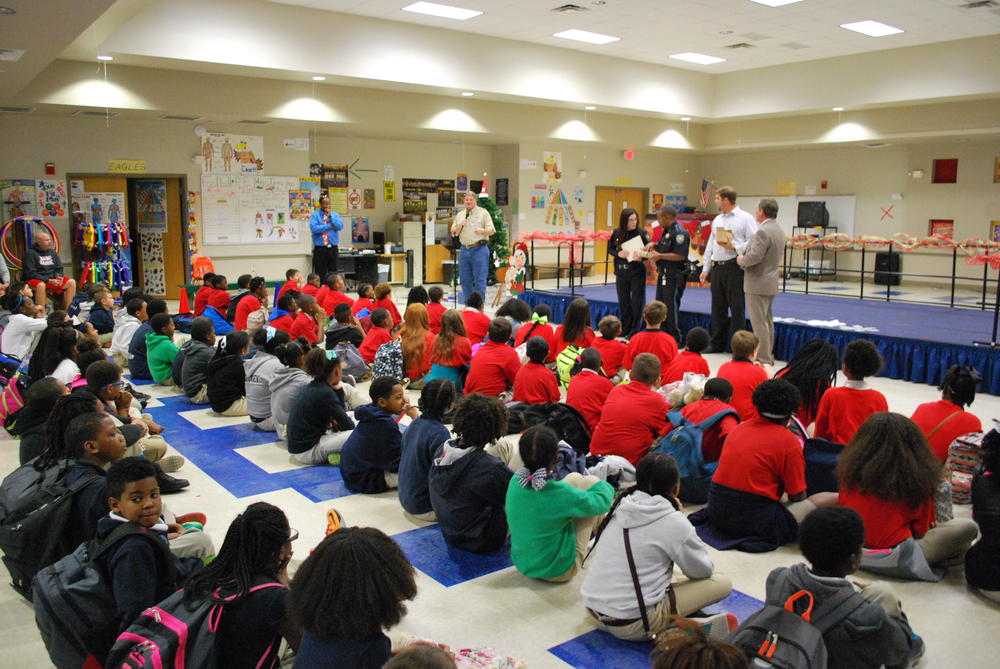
630, 281
671, 275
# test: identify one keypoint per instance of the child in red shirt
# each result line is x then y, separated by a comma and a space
633, 415
538, 326
652, 339
452, 350
495, 365
690, 360
293, 282
201, 297
535, 383
332, 294
477, 324
945, 420
305, 322
612, 349
718, 392
575, 328
434, 308
251, 303
842, 410
218, 296
380, 333
812, 370
283, 316
366, 300
312, 284
588, 390
743, 372
383, 300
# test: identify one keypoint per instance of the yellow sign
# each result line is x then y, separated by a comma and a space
623, 181
389, 191
126, 166
784, 187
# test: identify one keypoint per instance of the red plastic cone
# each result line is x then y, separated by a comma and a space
185, 307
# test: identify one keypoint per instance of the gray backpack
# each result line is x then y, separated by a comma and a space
388, 360
351, 358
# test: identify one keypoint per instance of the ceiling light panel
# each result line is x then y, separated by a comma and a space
586, 36
442, 11
775, 3
872, 28
698, 58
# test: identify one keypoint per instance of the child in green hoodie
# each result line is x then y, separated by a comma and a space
161, 350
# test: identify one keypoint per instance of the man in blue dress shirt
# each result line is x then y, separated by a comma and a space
325, 226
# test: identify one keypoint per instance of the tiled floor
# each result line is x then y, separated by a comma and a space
466, 600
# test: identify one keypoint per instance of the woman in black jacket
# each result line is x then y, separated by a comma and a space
630, 271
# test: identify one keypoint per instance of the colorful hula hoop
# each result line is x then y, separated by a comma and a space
9, 256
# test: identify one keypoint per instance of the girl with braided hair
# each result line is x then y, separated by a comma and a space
648, 517
256, 552
422, 441
812, 370
946, 420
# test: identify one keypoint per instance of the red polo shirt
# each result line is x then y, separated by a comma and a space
745, 376
536, 330
585, 340
714, 437
657, 342
632, 417
361, 304
477, 325
930, 415
587, 393
288, 285
535, 384
370, 344
842, 411
612, 353
414, 368
321, 294
493, 369
461, 353
762, 458
686, 361
283, 323
331, 299
888, 523
434, 312
309, 289
390, 306
305, 325
201, 299
246, 306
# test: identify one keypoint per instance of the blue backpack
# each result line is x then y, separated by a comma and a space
684, 444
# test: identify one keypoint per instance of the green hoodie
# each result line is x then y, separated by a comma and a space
160, 354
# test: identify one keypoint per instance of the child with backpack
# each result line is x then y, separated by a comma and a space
369, 461
345, 595
944, 421
869, 629
629, 589
383, 300
535, 383
344, 328
452, 350
477, 323
380, 333
421, 443
633, 416
318, 425
842, 410
690, 359
574, 330
193, 358
611, 348
743, 372
551, 521
32, 420
718, 392
227, 376
365, 304
588, 389
495, 365
161, 350
259, 371
653, 339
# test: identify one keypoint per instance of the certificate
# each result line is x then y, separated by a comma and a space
634, 245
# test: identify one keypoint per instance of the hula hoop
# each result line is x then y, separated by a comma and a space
9, 257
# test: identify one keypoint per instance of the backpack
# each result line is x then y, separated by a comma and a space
388, 360
219, 322
233, 303
75, 607
965, 458
821, 463
565, 361
684, 444
11, 397
18, 488
35, 537
568, 423
174, 634
354, 364
778, 637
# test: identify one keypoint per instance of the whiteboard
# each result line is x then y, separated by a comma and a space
248, 209
841, 208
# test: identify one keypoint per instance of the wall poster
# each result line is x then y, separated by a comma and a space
227, 153
248, 209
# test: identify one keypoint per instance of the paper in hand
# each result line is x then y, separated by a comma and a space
634, 245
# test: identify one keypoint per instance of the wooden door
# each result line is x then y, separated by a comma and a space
175, 240
609, 203
159, 234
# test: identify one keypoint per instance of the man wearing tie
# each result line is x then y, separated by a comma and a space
473, 226
325, 226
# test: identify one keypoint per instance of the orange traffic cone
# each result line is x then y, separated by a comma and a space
185, 306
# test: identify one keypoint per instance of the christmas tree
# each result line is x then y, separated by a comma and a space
499, 242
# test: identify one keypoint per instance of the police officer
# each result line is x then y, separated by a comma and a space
670, 253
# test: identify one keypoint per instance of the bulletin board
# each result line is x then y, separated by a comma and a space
250, 209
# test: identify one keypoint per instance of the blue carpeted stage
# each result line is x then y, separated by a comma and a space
919, 342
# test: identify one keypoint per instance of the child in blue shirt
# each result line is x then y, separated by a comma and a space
422, 441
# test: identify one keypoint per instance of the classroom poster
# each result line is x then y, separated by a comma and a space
462, 182
51, 198
151, 205
552, 166
369, 198
193, 218
538, 195
227, 153
248, 209
657, 201
502, 194
355, 198
415, 194
360, 230
311, 184
330, 175
446, 193
338, 200
389, 191
153, 270
678, 202
300, 204
18, 197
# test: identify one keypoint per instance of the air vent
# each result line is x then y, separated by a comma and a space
11, 55
253, 122
980, 4
178, 117
877, 145
16, 110
562, 9
740, 45
83, 113
795, 46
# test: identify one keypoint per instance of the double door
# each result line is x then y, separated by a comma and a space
610, 202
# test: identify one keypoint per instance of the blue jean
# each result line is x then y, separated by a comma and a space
473, 264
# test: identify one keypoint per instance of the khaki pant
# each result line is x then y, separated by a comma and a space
506, 448
195, 543
762, 321
800, 509
201, 397
331, 442
237, 408
885, 596
153, 446
583, 527
948, 540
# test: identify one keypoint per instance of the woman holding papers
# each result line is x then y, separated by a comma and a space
627, 245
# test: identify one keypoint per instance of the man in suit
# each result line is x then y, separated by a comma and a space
760, 261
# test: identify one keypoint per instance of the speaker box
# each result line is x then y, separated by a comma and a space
887, 268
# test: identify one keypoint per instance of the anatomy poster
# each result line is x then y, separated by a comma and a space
151, 204
51, 198
18, 197
227, 153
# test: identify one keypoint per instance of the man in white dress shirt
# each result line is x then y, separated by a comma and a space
728, 301
473, 226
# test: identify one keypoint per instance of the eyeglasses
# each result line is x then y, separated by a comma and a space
116, 384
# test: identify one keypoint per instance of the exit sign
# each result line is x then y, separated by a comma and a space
123, 165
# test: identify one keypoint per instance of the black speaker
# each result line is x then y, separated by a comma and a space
378, 239
887, 268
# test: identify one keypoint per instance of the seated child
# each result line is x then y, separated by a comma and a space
945, 420
682, 647
982, 561
633, 416
32, 420
344, 328
312, 284
138, 364
535, 383
689, 360
575, 328
652, 339
341, 629
249, 304
102, 315
293, 283
369, 462
468, 486
421, 443
365, 304
92, 441
283, 316
135, 315
24, 323
611, 348
515, 310
416, 343
260, 370
383, 300
227, 376
477, 324
242, 290
191, 364
305, 324
495, 365
718, 392
538, 326
334, 294
888, 474
201, 296
218, 296
161, 350
56, 355
286, 384
452, 350
551, 521
743, 372
588, 390
660, 536
319, 425
876, 632
761, 464
380, 333
43, 270
842, 410
434, 308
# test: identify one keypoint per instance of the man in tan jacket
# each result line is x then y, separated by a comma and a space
473, 226
760, 262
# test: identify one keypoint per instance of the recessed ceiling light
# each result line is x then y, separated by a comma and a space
442, 11
838, 109
590, 107
872, 28
319, 78
586, 36
685, 118
699, 58
7, 10
467, 94
775, 3
105, 58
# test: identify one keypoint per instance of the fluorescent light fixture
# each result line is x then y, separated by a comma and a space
590, 107
685, 118
871, 28
775, 3
442, 11
838, 109
319, 78
105, 58
586, 36
467, 94
699, 58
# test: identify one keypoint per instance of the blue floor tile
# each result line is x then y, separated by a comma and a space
428, 551
740, 605
894, 293
138, 382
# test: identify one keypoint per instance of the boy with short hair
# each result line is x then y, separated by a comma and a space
842, 410
312, 284
101, 315
201, 297
876, 632
138, 364
611, 348
218, 295
495, 365
589, 389
191, 363
718, 392
652, 339
332, 294
293, 282
535, 383
344, 328
161, 350
365, 304
283, 316
633, 415
93, 441
434, 308
380, 333
383, 300
743, 373
135, 315
369, 461
690, 359
477, 324
305, 324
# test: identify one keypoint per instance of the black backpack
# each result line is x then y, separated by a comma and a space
18, 489
567, 422
233, 303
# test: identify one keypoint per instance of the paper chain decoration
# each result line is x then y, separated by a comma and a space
565, 237
12, 259
107, 237
838, 241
